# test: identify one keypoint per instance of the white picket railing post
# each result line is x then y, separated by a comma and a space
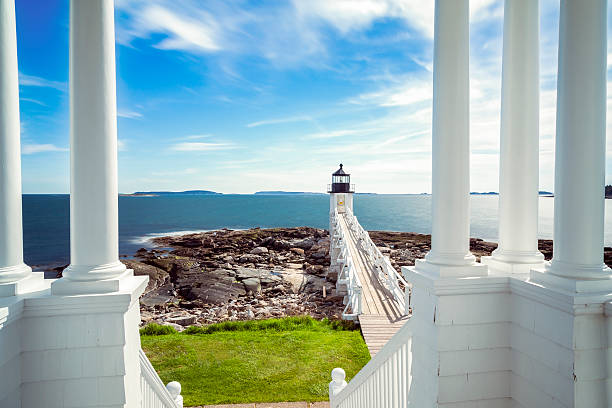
174, 388
337, 384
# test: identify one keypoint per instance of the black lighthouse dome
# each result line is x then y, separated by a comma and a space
341, 182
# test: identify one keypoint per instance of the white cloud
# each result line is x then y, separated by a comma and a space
197, 137
201, 146
338, 133
413, 91
184, 172
32, 148
129, 114
31, 80
196, 33
31, 100
279, 121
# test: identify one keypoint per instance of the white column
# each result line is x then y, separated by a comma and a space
581, 141
450, 236
93, 143
12, 268
519, 156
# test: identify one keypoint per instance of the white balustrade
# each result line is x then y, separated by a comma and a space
153, 392
383, 383
347, 275
392, 280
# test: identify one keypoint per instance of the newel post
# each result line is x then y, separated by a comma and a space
337, 384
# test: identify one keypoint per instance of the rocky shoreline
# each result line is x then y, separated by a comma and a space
210, 277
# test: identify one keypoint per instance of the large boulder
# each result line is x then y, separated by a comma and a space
252, 286
304, 243
216, 286
259, 250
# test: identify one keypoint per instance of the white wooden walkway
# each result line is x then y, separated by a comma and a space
382, 316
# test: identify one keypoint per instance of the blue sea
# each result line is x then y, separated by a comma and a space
47, 230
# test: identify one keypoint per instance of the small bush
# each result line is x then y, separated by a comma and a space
154, 329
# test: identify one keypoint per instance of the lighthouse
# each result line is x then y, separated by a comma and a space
340, 198
340, 192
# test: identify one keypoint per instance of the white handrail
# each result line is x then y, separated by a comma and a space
383, 383
347, 274
153, 392
387, 275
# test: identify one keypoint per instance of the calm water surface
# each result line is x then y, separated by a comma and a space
47, 231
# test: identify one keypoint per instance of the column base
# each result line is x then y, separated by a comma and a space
66, 286
10, 274
546, 277
94, 272
578, 271
450, 271
502, 267
34, 282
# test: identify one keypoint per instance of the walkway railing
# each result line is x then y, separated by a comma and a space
383, 383
154, 393
347, 275
387, 275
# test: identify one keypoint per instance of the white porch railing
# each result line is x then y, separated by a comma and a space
386, 273
383, 383
347, 274
154, 393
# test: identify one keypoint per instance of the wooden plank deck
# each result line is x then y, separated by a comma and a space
381, 316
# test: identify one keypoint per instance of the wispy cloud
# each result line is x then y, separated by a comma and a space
196, 137
35, 101
285, 33
31, 80
202, 146
279, 121
129, 114
337, 133
411, 92
33, 148
175, 173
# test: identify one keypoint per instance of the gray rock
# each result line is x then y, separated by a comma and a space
305, 243
252, 285
182, 320
259, 250
249, 258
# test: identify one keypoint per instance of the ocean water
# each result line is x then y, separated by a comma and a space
47, 229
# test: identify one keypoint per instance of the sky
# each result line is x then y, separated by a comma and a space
240, 96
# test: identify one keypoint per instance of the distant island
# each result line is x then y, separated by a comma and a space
274, 192
170, 193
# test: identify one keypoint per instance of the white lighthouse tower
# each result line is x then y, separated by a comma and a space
340, 198
340, 193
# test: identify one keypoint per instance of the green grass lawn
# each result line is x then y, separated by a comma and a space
272, 360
